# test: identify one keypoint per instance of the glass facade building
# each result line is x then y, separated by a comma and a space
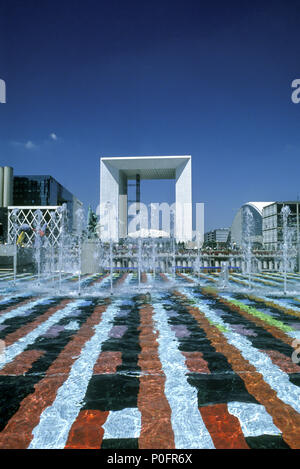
272, 224
44, 191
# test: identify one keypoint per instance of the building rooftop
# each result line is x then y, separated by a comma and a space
149, 167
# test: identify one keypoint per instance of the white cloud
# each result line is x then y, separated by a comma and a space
30, 145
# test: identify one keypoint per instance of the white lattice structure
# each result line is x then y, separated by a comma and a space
50, 215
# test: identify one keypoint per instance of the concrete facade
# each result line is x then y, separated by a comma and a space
6, 186
114, 176
219, 235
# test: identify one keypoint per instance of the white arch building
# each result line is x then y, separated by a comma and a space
114, 175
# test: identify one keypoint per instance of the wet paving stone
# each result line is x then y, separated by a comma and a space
111, 392
132, 397
219, 388
266, 442
120, 443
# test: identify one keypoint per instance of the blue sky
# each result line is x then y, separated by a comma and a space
123, 78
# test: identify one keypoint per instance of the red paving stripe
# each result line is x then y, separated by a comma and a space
282, 361
24, 330
224, 428
107, 363
185, 278
18, 432
283, 415
121, 279
156, 431
144, 277
22, 363
4, 310
195, 362
164, 277
87, 432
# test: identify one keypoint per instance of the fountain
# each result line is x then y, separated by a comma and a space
285, 211
153, 258
62, 213
224, 276
247, 242
197, 266
51, 251
287, 244
111, 264
80, 221
173, 257
144, 255
15, 237
39, 233
139, 261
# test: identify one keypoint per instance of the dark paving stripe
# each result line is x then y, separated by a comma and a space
220, 388
120, 443
118, 391
295, 378
128, 344
111, 392
16, 304
18, 327
266, 442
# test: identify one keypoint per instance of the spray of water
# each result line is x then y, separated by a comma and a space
62, 214
287, 245
248, 229
79, 229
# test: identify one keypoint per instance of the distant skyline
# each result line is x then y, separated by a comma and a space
127, 78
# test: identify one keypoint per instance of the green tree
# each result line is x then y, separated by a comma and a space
92, 221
